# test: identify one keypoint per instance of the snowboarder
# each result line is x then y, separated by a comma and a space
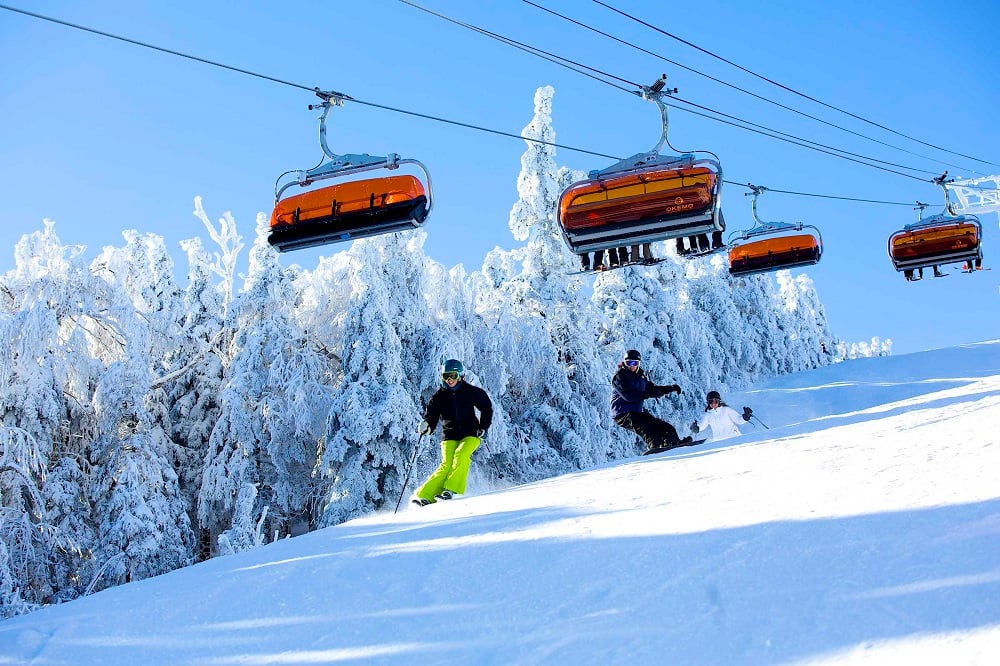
629, 387
721, 418
454, 404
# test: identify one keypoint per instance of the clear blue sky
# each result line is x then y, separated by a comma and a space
103, 136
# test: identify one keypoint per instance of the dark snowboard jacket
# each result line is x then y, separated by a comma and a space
628, 390
455, 410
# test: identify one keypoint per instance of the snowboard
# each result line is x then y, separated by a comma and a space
663, 449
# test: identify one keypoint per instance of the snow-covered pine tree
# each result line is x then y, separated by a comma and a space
193, 388
559, 425
807, 332
25, 536
55, 320
732, 350
264, 445
391, 349
143, 527
194, 385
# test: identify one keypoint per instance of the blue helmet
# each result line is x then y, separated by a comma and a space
448, 368
453, 365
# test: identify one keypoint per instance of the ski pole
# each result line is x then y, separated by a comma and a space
416, 451
495, 466
761, 422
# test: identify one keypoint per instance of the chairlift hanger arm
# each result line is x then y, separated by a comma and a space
335, 165
760, 226
330, 100
655, 93
942, 182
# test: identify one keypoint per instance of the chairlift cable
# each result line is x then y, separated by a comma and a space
153, 46
386, 107
742, 90
784, 87
481, 129
807, 141
824, 196
806, 145
311, 89
527, 48
389, 108
799, 141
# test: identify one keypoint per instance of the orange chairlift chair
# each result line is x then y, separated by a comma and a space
644, 198
777, 245
350, 209
945, 238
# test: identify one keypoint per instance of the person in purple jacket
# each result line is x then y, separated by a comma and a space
629, 387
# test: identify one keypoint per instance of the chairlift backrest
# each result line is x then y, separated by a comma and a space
646, 197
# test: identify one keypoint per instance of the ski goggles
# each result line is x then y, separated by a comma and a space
449, 376
714, 401
632, 363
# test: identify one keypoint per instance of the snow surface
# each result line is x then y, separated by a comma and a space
862, 527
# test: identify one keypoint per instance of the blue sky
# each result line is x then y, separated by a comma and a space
103, 136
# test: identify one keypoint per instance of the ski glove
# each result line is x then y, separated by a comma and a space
480, 433
695, 428
674, 388
425, 427
747, 413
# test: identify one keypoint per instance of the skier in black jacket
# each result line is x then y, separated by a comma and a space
629, 387
454, 405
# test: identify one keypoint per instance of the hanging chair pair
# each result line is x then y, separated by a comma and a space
773, 246
937, 240
644, 198
347, 209
652, 197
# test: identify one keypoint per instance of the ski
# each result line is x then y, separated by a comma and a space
663, 449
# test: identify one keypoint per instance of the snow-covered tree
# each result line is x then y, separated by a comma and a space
263, 447
143, 527
391, 350
550, 383
193, 383
57, 322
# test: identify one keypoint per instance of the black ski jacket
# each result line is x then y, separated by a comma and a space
629, 389
455, 410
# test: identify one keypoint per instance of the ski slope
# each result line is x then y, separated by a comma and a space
862, 527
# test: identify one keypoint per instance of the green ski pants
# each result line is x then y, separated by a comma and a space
456, 457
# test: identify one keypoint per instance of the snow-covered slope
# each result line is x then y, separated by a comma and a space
862, 527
